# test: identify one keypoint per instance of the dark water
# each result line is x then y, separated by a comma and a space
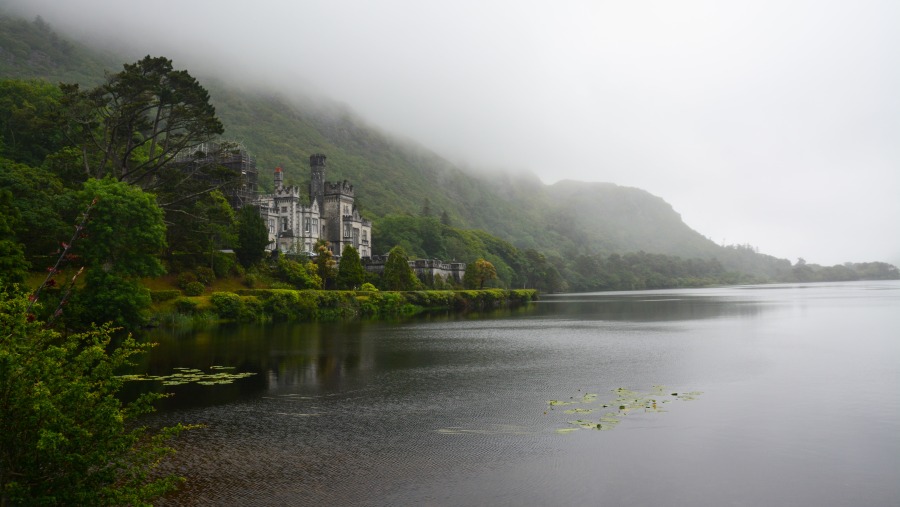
799, 404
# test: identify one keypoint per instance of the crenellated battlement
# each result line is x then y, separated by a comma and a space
339, 188
287, 192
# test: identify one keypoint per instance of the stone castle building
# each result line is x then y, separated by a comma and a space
331, 215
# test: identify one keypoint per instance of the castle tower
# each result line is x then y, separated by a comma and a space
279, 179
317, 178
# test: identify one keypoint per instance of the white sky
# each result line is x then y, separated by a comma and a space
773, 123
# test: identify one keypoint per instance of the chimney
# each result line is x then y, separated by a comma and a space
279, 178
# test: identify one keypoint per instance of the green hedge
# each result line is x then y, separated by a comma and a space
158, 296
307, 305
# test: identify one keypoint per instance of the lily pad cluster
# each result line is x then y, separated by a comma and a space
626, 401
218, 375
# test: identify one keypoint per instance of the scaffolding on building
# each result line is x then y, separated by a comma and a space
234, 156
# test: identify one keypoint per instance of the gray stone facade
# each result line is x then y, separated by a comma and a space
425, 269
331, 215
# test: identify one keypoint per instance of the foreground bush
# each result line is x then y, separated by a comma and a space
65, 438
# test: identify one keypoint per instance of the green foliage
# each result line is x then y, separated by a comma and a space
252, 236
350, 270
803, 272
224, 264
67, 439
397, 273
158, 296
30, 129
205, 275
325, 264
38, 201
300, 275
227, 305
194, 289
106, 297
60, 59
121, 237
13, 266
309, 305
288, 305
186, 305
204, 224
184, 279
479, 272
135, 123
126, 231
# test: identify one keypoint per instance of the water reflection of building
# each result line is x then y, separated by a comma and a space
317, 355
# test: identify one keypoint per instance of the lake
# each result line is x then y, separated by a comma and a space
750, 395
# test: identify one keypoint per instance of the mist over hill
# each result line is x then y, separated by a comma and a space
394, 176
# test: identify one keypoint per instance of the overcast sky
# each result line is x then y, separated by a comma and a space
770, 123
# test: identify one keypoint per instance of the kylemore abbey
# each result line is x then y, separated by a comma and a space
331, 215
326, 212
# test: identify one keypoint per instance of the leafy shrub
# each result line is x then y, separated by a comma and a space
205, 275
67, 438
186, 306
158, 296
227, 305
194, 289
368, 287
282, 305
223, 265
184, 279
300, 275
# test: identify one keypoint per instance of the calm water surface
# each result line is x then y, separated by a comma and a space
799, 404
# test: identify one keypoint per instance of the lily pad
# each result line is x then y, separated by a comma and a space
185, 375
626, 402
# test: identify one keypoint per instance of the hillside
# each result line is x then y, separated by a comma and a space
392, 176
396, 177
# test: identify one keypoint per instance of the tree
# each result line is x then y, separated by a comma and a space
397, 273
125, 230
216, 224
30, 129
139, 120
122, 239
479, 272
39, 199
252, 236
203, 225
13, 266
350, 270
325, 264
67, 439
302, 275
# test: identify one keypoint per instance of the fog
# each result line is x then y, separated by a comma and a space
770, 123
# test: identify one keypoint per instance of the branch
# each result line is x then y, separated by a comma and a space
62, 257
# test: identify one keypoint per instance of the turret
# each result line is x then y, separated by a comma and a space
279, 179
317, 178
